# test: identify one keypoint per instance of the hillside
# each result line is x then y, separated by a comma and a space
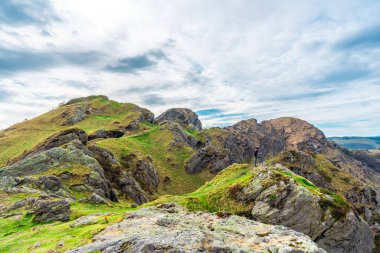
74, 175
357, 142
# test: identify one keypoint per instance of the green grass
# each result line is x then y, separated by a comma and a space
169, 161
25, 135
218, 194
215, 195
199, 135
19, 234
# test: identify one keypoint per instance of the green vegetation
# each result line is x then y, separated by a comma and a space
216, 195
20, 233
23, 136
168, 159
199, 135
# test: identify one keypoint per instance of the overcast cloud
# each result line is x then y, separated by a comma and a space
229, 60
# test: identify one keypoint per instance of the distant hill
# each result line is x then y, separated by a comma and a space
353, 142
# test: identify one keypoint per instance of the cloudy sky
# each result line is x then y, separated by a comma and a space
227, 60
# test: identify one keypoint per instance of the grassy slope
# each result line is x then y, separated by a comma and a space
168, 160
25, 135
216, 195
18, 233
108, 114
339, 179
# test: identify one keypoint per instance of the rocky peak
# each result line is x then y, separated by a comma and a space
183, 116
299, 134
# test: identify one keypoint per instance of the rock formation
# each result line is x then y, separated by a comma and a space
173, 229
183, 116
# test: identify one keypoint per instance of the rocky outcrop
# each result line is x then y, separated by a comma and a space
143, 171
74, 115
280, 197
320, 171
70, 155
173, 229
208, 158
48, 211
181, 137
305, 165
185, 117
44, 208
299, 134
146, 115
56, 140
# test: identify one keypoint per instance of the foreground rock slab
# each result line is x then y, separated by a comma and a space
170, 228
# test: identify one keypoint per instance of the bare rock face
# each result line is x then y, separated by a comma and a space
174, 229
45, 209
75, 115
245, 136
184, 117
144, 172
180, 135
208, 158
299, 134
278, 196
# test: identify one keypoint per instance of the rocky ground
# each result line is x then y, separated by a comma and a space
170, 228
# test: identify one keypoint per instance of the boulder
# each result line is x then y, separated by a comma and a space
48, 211
184, 117
174, 229
45, 208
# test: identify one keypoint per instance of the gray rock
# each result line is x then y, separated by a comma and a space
132, 189
184, 117
47, 211
183, 231
95, 199
181, 137
44, 209
143, 171
75, 115
208, 158
279, 199
7, 182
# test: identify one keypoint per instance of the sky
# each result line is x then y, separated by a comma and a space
226, 60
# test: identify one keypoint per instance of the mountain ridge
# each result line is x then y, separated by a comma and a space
93, 154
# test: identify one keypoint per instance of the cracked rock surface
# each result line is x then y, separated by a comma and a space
170, 228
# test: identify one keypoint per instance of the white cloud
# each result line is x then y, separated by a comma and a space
261, 59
